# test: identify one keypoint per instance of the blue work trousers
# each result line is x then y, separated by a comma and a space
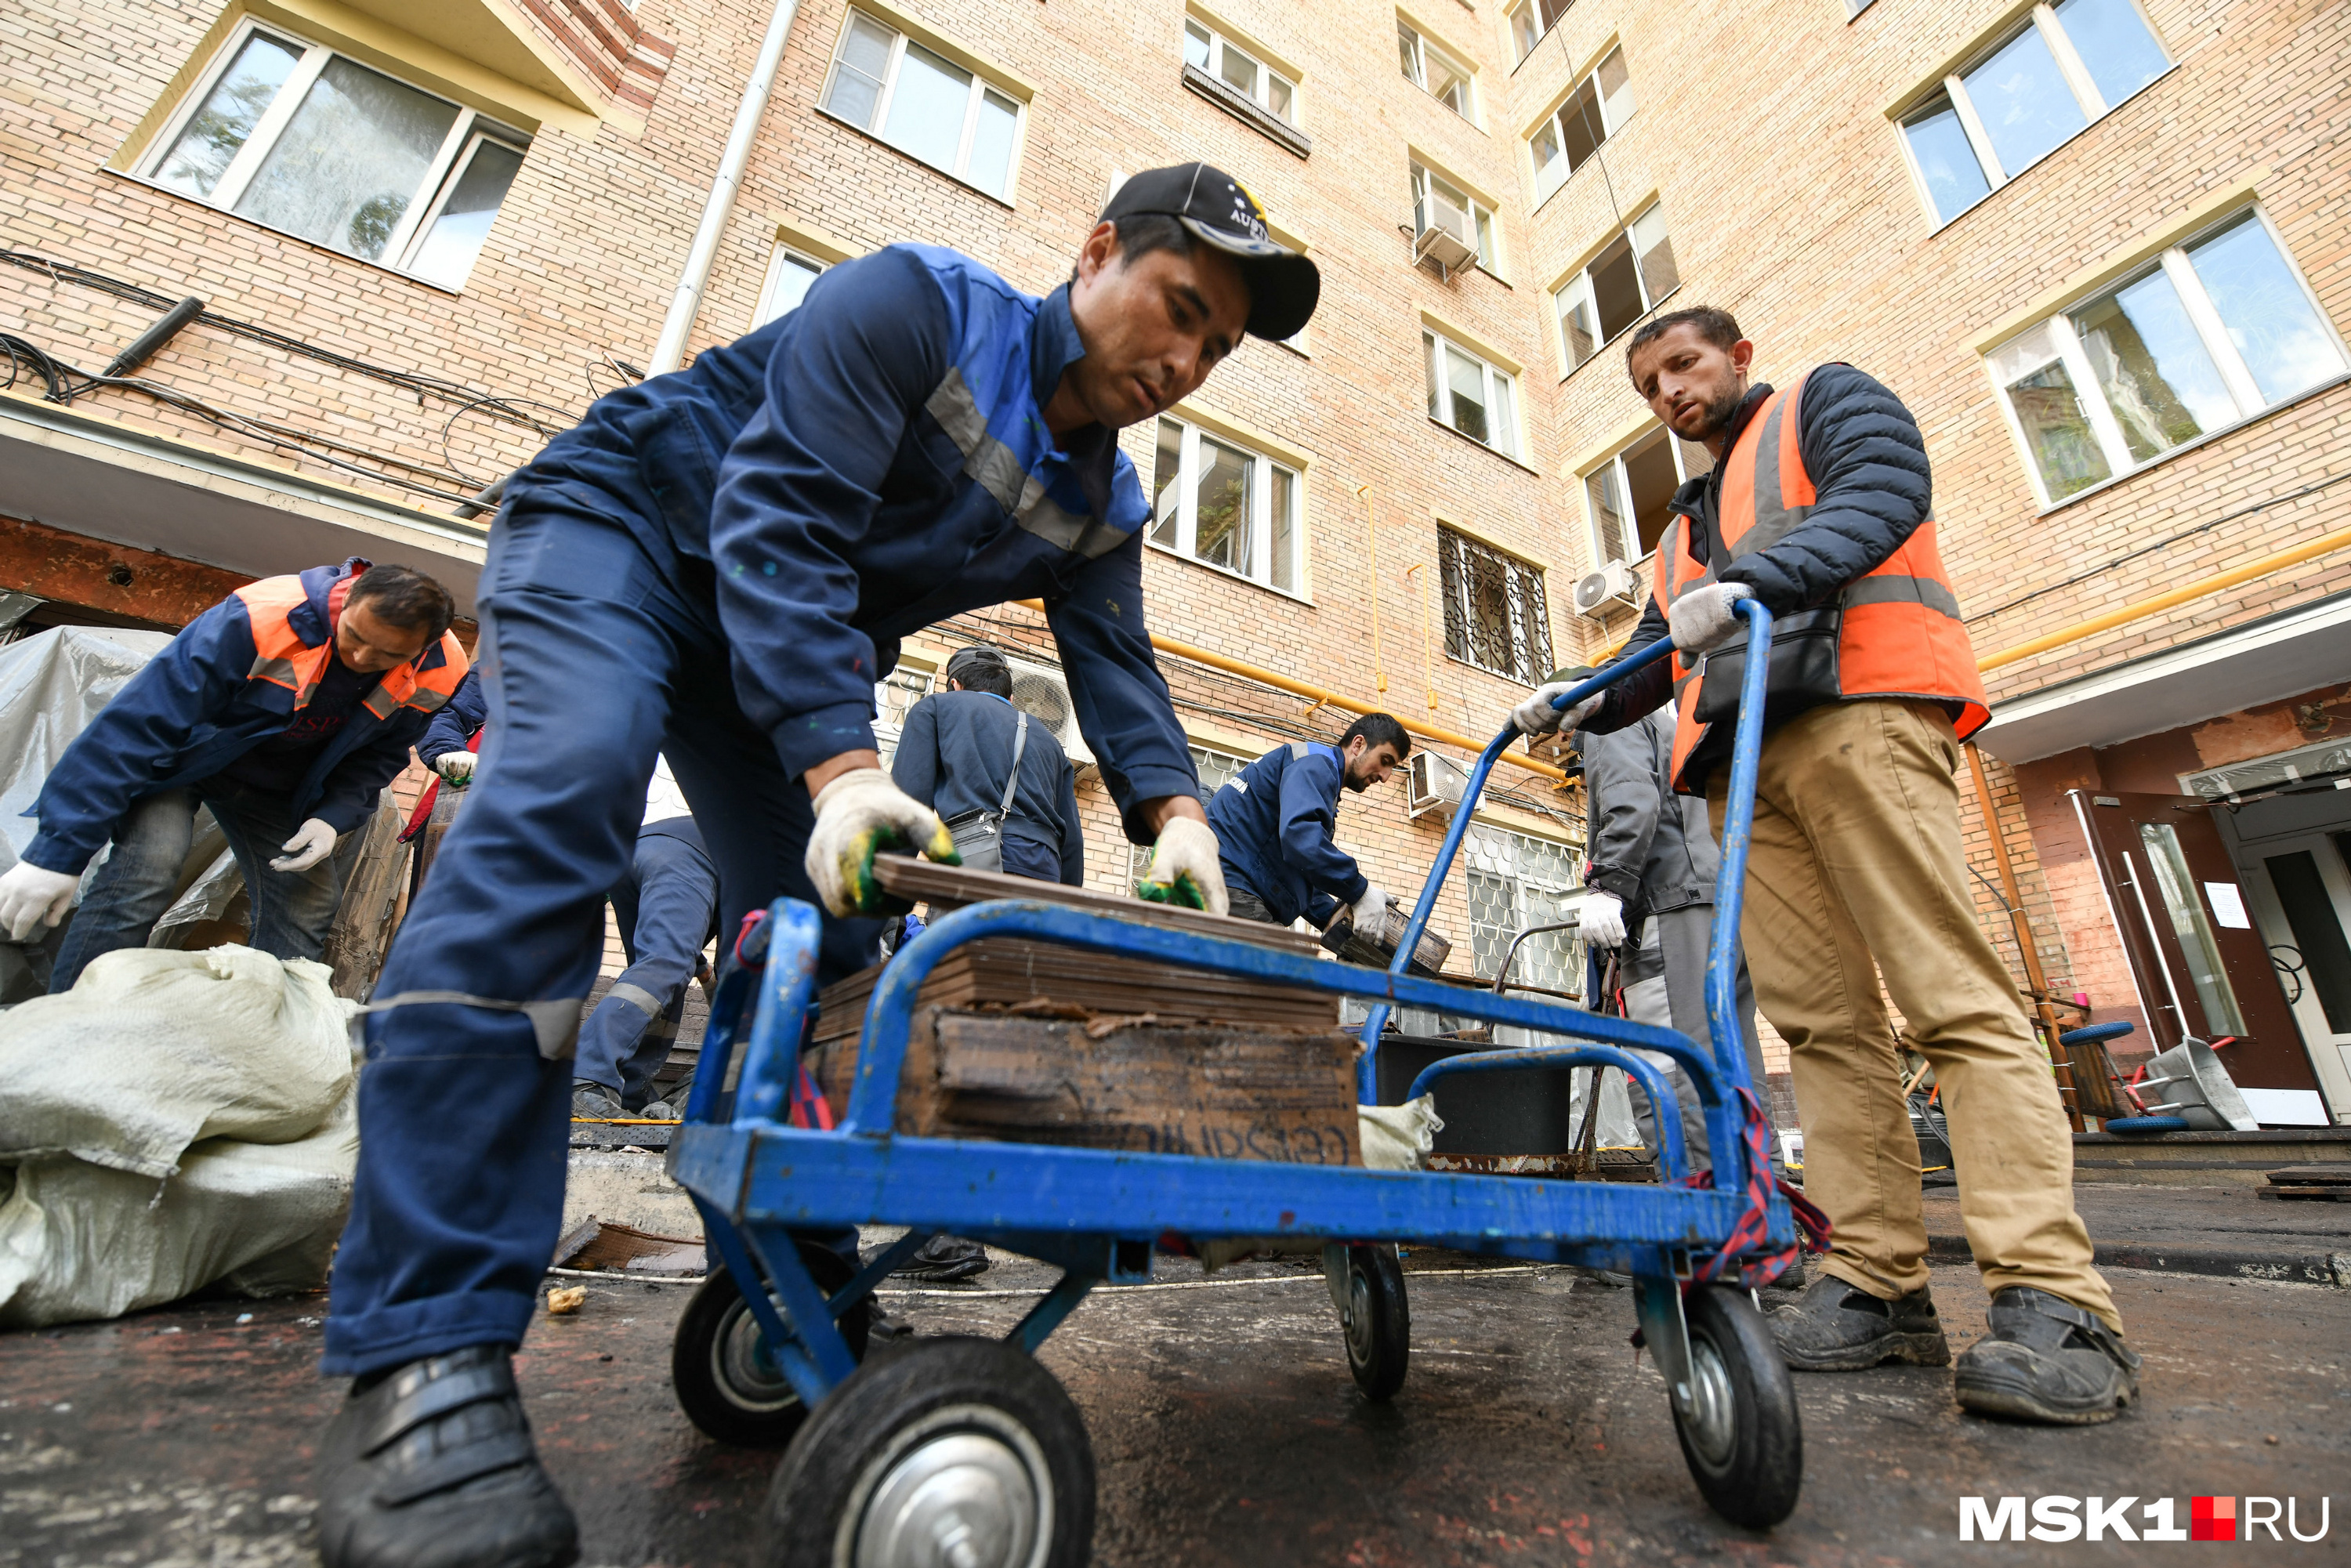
596, 655
664, 904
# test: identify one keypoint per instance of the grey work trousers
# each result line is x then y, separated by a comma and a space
1677, 1000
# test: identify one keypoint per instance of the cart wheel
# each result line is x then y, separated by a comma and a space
1742, 1440
1378, 1321
948, 1451
726, 1381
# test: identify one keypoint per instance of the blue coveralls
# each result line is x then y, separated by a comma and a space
714, 565
667, 905
1274, 824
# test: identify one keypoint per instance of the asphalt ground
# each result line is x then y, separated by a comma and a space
1227, 1430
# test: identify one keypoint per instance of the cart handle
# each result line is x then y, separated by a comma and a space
1511, 953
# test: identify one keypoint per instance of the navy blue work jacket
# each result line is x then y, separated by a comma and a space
876, 461
953, 758
1274, 825
465, 711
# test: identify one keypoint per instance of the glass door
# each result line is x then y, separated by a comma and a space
2301, 888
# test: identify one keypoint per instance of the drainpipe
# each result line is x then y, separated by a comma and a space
687, 302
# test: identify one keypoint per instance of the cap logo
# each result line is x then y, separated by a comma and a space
1248, 217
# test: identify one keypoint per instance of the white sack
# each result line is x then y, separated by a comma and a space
153, 1051
1398, 1137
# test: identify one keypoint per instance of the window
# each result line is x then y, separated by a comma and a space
894, 695
1217, 769
922, 104
1438, 202
789, 273
1530, 19
1624, 283
300, 140
1470, 395
1494, 612
2209, 334
2068, 65
1224, 505
1208, 49
1516, 882
1628, 497
1435, 72
1593, 112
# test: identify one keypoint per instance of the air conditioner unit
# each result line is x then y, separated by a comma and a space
1040, 692
1613, 586
1442, 233
1433, 783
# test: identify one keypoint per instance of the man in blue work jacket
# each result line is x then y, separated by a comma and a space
956, 755
1274, 825
717, 565
666, 907
447, 745
285, 709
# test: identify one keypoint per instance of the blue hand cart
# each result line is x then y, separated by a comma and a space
965, 1451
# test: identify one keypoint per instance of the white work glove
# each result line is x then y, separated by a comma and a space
1370, 914
1537, 717
1602, 924
313, 842
32, 898
1185, 850
859, 815
456, 767
1702, 619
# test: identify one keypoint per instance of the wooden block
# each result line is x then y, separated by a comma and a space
953, 887
1112, 1082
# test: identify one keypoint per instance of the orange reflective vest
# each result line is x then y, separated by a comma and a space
1899, 632
282, 659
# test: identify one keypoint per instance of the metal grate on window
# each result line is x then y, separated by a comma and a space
1495, 616
892, 696
1516, 882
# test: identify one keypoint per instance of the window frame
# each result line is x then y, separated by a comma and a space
458, 148
981, 86
1951, 85
1423, 48
1262, 466
1566, 894
1510, 25
1615, 464
1610, 122
784, 253
1537, 660
2211, 331
1218, 43
1581, 276
1432, 337
1482, 221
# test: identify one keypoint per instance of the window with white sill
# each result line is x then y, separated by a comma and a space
1531, 20
2065, 66
1470, 395
1618, 287
1496, 617
923, 104
790, 273
1627, 499
2207, 334
302, 140
1570, 135
1436, 72
1438, 202
1209, 50
1218, 503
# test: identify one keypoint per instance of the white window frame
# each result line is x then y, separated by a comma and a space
1266, 75
1481, 216
1261, 487
1616, 109
2070, 65
785, 254
980, 89
1422, 52
1431, 341
913, 680
2065, 347
1521, 44
470, 129
1579, 286
1615, 464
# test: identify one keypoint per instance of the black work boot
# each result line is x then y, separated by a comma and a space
944, 1258
595, 1101
1833, 1327
2046, 1360
432, 1467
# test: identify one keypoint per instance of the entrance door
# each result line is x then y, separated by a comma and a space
2300, 892
2203, 968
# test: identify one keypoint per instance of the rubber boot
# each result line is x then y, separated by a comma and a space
1835, 1327
595, 1101
2046, 1360
432, 1467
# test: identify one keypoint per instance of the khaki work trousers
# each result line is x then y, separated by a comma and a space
1855, 876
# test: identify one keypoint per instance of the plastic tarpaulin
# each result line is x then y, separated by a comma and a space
51, 685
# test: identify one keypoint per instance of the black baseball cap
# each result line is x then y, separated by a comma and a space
965, 662
1283, 285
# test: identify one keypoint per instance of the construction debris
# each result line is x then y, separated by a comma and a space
565, 1300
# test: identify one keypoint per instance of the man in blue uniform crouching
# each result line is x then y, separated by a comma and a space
717, 566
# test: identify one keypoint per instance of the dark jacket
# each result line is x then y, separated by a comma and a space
1650, 847
1868, 465
955, 754
465, 711
206, 699
874, 462
1274, 824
